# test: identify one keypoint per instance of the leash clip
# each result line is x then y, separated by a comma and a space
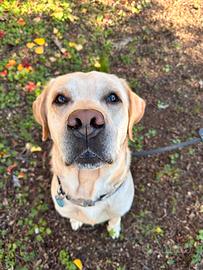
201, 133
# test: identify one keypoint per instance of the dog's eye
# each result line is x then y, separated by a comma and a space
112, 98
61, 99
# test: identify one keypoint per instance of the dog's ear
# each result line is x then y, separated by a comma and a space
136, 108
39, 111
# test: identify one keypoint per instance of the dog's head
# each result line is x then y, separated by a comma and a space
88, 116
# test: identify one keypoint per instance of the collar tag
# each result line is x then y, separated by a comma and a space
60, 200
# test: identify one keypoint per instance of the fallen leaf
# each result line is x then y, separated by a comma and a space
162, 105
30, 86
28, 69
2, 33
33, 148
78, 47
39, 50
4, 73
11, 168
39, 41
97, 64
158, 230
67, 54
63, 50
30, 45
55, 30
21, 175
3, 153
84, 11
11, 63
52, 59
78, 263
20, 67
37, 19
21, 22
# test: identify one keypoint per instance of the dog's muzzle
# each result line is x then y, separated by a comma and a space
86, 127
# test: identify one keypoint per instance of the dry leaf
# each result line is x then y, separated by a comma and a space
21, 175
30, 86
3, 73
30, 45
78, 263
11, 168
33, 148
21, 22
11, 63
39, 50
39, 41
20, 67
97, 64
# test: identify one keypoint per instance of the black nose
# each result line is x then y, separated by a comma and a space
86, 122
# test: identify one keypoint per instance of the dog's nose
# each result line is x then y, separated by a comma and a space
86, 122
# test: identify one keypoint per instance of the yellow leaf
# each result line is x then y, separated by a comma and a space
72, 44
158, 230
20, 67
97, 64
84, 10
78, 263
78, 47
30, 45
33, 148
39, 50
39, 41
28, 69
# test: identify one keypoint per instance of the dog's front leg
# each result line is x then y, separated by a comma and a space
75, 225
114, 227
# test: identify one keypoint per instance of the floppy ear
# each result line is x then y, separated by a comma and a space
39, 111
136, 108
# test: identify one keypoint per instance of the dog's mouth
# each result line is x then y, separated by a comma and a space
89, 159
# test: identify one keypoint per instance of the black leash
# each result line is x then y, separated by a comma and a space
152, 152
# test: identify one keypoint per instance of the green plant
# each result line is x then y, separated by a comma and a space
151, 133
198, 245
137, 137
174, 157
168, 172
66, 261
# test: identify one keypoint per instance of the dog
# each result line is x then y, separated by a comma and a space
89, 117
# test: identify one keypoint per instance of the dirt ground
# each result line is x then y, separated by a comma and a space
160, 53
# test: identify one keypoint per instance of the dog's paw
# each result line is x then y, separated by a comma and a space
114, 227
75, 225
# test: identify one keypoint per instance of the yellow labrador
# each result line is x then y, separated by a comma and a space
89, 117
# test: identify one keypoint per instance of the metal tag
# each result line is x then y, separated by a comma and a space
59, 200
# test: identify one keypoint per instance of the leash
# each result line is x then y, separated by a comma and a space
160, 150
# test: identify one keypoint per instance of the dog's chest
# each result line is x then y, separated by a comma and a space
88, 215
